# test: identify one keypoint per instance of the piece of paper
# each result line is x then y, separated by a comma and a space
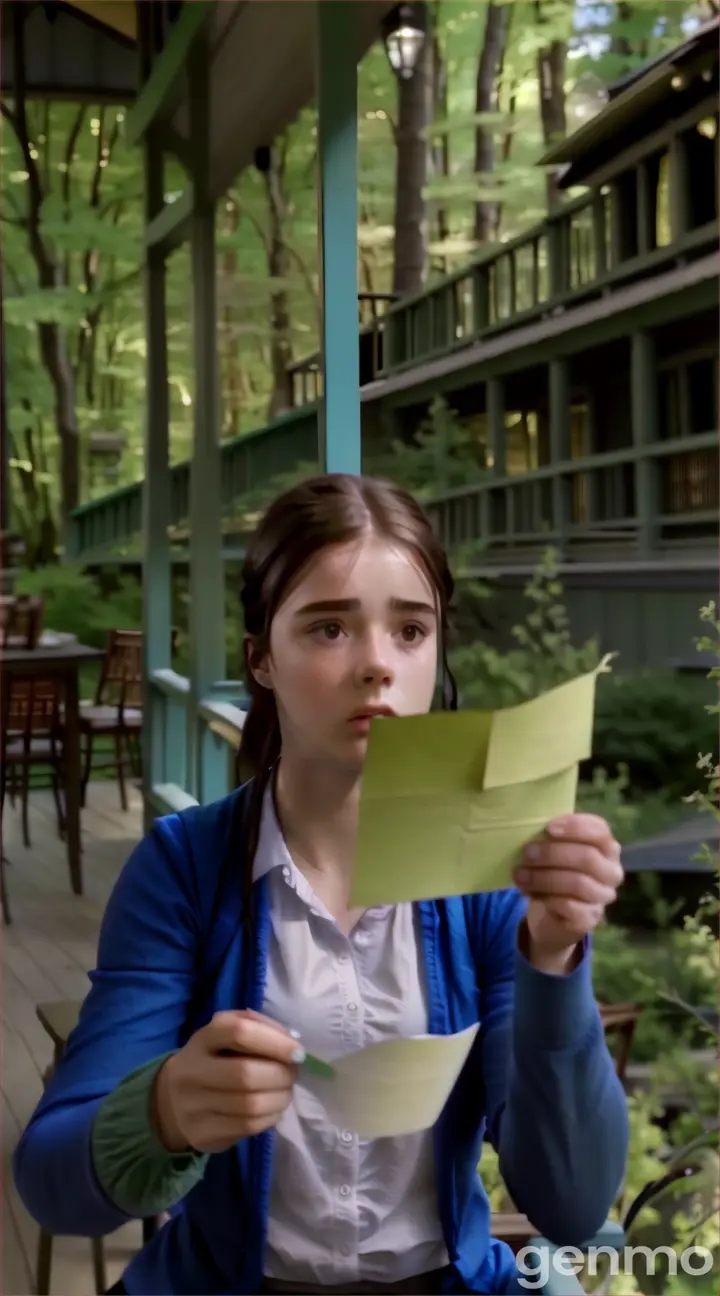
449, 799
419, 849
396, 1087
543, 736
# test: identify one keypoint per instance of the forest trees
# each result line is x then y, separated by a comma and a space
447, 162
61, 240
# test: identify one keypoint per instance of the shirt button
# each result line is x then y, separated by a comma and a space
344, 958
347, 1136
345, 1250
345, 1190
352, 1007
286, 874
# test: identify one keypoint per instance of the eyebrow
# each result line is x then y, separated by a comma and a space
353, 605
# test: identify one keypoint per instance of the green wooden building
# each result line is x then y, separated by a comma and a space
581, 356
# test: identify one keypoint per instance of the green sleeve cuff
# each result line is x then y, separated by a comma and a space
135, 1171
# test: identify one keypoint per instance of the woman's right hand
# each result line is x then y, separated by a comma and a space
233, 1079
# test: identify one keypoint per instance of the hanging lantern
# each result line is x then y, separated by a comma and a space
404, 31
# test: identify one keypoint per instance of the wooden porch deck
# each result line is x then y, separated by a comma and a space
47, 952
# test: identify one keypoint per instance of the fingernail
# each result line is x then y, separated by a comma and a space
294, 1034
556, 829
298, 1055
532, 852
522, 876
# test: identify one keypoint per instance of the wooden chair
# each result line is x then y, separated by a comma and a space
21, 621
59, 1020
31, 737
620, 1021
116, 711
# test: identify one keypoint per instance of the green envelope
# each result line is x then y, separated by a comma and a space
450, 799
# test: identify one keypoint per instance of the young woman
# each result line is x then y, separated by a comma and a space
228, 949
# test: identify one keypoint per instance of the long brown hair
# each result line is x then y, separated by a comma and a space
321, 511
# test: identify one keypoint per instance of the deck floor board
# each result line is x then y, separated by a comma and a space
48, 951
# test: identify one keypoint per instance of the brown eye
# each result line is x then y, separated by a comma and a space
329, 630
411, 633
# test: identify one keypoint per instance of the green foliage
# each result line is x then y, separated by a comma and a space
75, 604
631, 818
544, 658
91, 218
627, 971
443, 455
674, 980
654, 724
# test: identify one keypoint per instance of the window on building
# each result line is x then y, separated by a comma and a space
625, 216
669, 404
521, 441
700, 146
702, 381
663, 222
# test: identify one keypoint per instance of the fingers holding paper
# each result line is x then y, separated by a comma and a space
569, 877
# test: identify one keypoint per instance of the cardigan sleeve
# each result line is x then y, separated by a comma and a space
557, 1112
135, 1012
136, 1172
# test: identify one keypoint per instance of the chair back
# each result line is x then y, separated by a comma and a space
619, 1022
120, 682
21, 619
31, 708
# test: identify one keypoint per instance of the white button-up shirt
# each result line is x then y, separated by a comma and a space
343, 1209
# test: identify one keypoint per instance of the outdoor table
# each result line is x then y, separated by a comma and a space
62, 660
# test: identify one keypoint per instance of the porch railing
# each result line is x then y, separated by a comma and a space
669, 489
192, 744
565, 260
559, 263
249, 463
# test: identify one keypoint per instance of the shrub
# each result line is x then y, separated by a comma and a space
545, 656
654, 723
76, 604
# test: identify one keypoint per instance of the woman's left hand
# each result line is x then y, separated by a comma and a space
569, 877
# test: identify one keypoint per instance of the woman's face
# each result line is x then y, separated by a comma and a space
356, 635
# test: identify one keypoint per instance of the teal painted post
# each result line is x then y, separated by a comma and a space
559, 392
157, 590
339, 422
645, 433
205, 773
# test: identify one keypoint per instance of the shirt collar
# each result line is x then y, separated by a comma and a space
271, 850
272, 853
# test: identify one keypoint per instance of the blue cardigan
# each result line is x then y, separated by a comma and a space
539, 1082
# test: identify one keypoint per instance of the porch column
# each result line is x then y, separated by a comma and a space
156, 571
339, 417
559, 393
645, 432
206, 770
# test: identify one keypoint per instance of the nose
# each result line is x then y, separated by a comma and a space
374, 669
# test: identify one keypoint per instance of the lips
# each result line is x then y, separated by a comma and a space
370, 713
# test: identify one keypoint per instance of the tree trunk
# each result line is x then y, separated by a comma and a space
54, 353
52, 339
620, 45
441, 149
489, 64
281, 356
411, 174
551, 79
